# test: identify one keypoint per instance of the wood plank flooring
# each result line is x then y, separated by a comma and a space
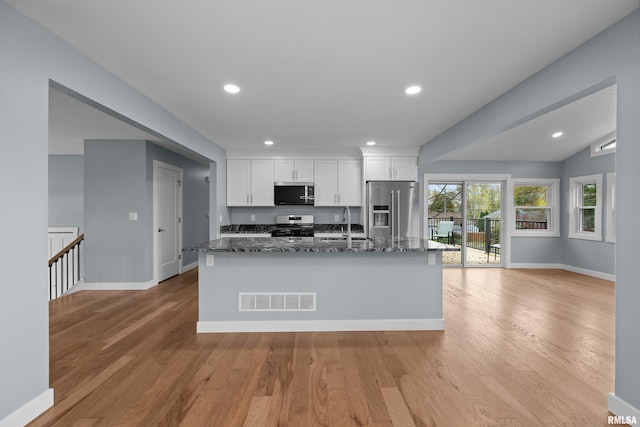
521, 348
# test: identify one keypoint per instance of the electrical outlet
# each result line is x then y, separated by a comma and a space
133, 216
336, 218
253, 218
220, 217
210, 261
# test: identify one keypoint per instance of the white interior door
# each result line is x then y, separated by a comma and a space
60, 237
168, 223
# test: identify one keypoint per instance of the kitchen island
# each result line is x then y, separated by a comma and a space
319, 284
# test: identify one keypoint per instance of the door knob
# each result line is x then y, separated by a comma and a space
160, 229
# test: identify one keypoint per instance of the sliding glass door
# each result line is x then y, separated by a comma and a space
467, 214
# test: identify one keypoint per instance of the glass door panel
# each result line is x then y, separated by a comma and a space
444, 213
483, 220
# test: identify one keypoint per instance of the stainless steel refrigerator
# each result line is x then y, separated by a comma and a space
393, 208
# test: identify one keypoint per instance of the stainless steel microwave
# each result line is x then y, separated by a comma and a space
293, 193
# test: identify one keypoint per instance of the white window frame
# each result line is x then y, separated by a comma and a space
553, 229
597, 147
611, 208
575, 185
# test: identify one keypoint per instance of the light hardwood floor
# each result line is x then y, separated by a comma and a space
521, 348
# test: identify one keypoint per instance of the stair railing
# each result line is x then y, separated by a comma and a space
64, 269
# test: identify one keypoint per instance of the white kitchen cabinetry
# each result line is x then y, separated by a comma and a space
338, 183
293, 171
399, 168
250, 182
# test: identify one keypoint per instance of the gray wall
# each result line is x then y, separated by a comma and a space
531, 250
587, 254
66, 191
267, 215
116, 249
119, 180
611, 57
32, 58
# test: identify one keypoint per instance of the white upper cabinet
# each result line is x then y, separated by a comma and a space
397, 168
250, 182
349, 182
293, 171
338, 183
326, 183
404, 168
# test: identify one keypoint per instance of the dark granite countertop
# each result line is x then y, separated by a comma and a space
318, 244
266, 228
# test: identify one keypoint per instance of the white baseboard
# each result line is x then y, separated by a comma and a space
592, 273
29, 411
188, 267
621, 408
115, 286
535, 265
321, 325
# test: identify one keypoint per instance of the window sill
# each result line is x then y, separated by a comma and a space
535, 233
586, 236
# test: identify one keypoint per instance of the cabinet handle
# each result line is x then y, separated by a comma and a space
293, 175
248, 199
252, 199
390, 173
339, 199
395, 173
296, 172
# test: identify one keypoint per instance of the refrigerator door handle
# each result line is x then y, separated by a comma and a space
398, 213
392, 212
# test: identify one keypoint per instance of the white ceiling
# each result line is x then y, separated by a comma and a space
326, 74
582, 122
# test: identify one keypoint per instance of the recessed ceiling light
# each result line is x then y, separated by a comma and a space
557, 134
231, 88
371, 143
412, 90
268, 142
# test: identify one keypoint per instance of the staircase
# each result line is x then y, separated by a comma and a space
64, 269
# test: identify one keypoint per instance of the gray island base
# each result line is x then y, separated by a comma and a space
313, 284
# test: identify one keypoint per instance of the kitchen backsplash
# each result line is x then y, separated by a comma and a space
267, 215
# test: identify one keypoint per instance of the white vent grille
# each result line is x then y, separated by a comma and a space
281, 301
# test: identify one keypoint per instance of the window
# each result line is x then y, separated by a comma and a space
586, 207
606, 145
611, 207
535, 207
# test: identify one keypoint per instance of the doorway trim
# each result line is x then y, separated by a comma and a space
505, 179
156, 250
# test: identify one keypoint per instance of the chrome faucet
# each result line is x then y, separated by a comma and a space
346, 216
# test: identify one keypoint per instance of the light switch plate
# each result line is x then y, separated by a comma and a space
431, 259
336, 218
133, 216
253, 218
209, 260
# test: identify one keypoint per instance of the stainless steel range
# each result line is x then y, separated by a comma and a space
293, 225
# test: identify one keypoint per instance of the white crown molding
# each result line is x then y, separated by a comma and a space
390, 151
294, 154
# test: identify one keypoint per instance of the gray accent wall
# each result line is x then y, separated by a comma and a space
66, 191
32, 60
587, 254
611, 57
